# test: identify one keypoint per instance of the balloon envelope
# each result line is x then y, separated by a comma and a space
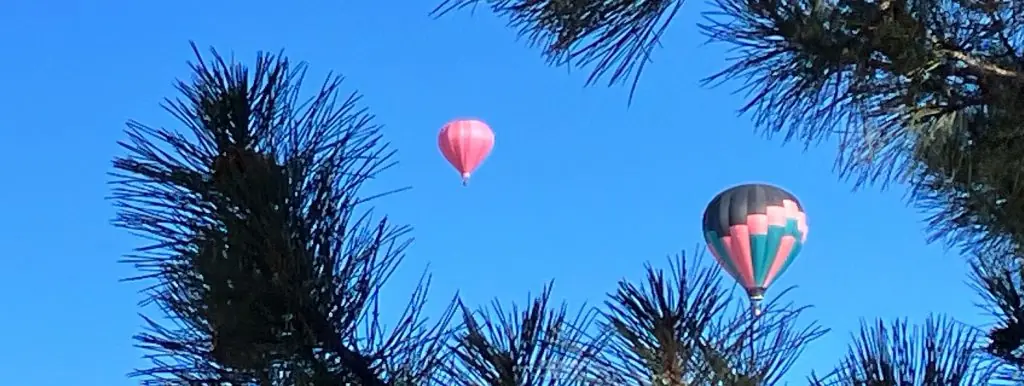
755, 231
465, 143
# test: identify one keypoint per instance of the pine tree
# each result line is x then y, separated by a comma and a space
265, 259
677, 327
681, 327
922, 92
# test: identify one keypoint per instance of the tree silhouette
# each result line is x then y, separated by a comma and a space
681, 327
942, 352
537, 345
612, 37
262, 259
678, 326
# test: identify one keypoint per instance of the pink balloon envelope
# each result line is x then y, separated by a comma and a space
465, 143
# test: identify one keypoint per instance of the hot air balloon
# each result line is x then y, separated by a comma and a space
465, 143
755, 231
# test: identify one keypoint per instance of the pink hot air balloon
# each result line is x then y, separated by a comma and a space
465, 143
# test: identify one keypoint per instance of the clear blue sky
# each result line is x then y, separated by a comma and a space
629, 187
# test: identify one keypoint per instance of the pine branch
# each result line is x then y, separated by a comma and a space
615, 38
986, 68
536, 346
1001, 285
680, 327
883, 76
261, 255
969, 182
941, 353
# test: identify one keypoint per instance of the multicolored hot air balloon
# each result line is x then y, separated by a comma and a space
755, 231
465, 143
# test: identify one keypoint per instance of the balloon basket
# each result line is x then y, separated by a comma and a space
755, 305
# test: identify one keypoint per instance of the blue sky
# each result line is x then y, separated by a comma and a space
579, 188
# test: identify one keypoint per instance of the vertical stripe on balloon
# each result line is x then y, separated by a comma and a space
740, 252
721, 254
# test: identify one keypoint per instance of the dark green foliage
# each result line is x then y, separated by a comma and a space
537, 346
262, 258
681, 327
613, 37
1002, 286
678, 325
942, 353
